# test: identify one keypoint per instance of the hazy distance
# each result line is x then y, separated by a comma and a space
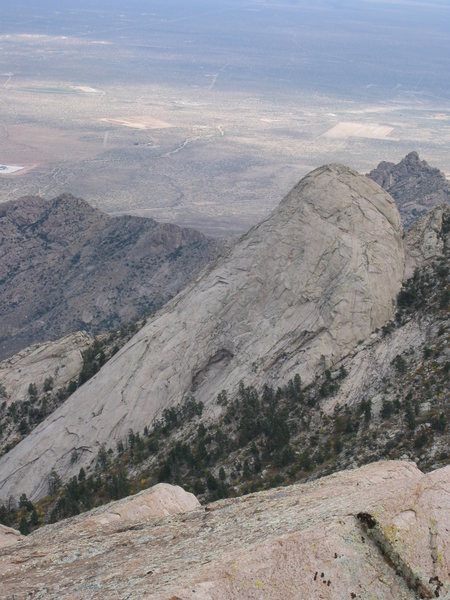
207, 112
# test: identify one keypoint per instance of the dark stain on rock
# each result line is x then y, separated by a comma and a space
366, 519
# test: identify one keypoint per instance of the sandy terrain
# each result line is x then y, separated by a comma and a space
86, 89
345, 130
139, 123
208, 116
9, 169
26, 144
441, 117
217, 161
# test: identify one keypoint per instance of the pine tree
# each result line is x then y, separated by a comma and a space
34, 518
23, 526
54, 482
32, 391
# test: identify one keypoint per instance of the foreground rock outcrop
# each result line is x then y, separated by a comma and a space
294, 295
66, 266
414, 184
381, 531
155, 503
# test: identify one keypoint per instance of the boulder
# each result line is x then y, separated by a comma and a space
9, 536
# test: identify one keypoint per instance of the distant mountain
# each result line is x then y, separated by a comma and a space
66, 266
415, 186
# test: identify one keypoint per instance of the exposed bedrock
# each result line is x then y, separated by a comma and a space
376, 532
293, 295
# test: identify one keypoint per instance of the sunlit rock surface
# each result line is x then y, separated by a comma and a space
294, 295
62, 360
428, 239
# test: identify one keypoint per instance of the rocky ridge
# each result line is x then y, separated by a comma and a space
414, 184
38, 379
427, 250
282, 301
376, 532
428, 239
35, 381
60, 360
66, 266
388, 398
